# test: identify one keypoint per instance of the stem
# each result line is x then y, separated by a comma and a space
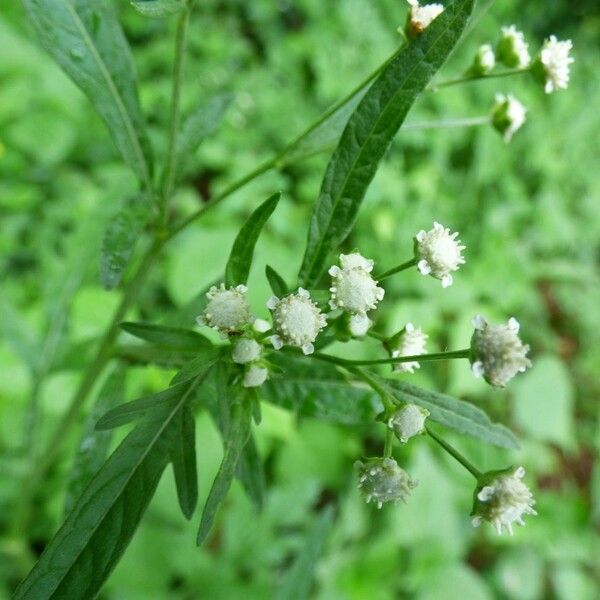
455, 454
448, 123
170, 165
474, 77
344, 362
405, 265
389, 441
377, 336
374, 385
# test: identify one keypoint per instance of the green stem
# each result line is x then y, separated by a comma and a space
344, 362
388, 403
170, 165
474, 77
389, 442
377, 336
402, 267
454, 453
448, 123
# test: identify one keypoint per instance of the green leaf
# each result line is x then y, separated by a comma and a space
240, 259
128, 412
319, 390
204, 360
251, 474
276, 281
455, 414
370, 131
84, 37
158, 9
172, 337
145, 354
92, 539
120, 239
237, 436
183, 458
297, 582
94, 445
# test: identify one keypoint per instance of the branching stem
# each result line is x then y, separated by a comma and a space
454, 453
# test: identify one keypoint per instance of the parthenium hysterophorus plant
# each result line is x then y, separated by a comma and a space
257, 358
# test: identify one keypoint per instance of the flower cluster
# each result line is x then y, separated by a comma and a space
409, 342
421, 16
554, 64
508, 115
381, 480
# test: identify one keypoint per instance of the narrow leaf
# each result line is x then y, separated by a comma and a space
276, 281
237, 436
369, 132
145, 354
251, 473
173, 337
120, 239
183, 458
202, 362
158, 9
240, 259
84, 37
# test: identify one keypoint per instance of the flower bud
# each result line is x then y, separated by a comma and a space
484, 61
255, 376
553, 64
261, 326
409, 342
501, 498
439, 253
246, 350
359, 325
508, 115
408, 421
297, 321
497, 353
382, 480
512, 49
227, 310
420, 17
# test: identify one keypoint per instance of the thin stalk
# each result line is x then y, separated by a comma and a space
448, 123
474, 77
374, 385
170, 164
401, 267
344, 362
377, 336
454, 453
389, 442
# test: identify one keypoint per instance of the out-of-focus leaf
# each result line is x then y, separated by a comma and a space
369, 132
120, 239
94, 444
276, 281
158, 9
251, 473
84, 37
18, 333
172, 337
242, 252
147, 354
183, 458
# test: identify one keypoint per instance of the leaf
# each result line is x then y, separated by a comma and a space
120, 239
240, 258
319, 390
276, 281
203, 361
84, 37
163, 356
90, 542
18, 333
298, 580
455, 414
199, 125
128, 412
369, 132
172, 337
183, 459
158, 9
237, 436
94, 445
251, 473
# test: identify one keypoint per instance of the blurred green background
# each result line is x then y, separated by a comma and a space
528, 212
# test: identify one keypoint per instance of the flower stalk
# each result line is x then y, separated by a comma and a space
454, 453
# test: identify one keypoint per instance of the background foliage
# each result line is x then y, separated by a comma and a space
528, 212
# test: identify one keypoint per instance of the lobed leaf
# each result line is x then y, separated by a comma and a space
84, 37
172, 337
370, 131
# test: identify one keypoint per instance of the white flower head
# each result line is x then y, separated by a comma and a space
502, 500
508, 115
359, 325
352, 287
497, 352
485, 60
297, 321
420, 17
554, 64
382, 480
246, 350
408, 421
255, 376
512, 50
227, 310
409, 342
439, 253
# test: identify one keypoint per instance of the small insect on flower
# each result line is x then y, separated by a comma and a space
508, 115
420, 17
408, 421
227, 310
352, 287
501, 498
484, 61
553, 64
382, 480
409, 342
439, 253
246, 350
255, 376
297, 321
497, 352
512, 50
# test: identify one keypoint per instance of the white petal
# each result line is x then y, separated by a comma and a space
272, 302
276, 341
477, 368
260, 325
308, 348
424, 267
478, 322
446, 281
514, 324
